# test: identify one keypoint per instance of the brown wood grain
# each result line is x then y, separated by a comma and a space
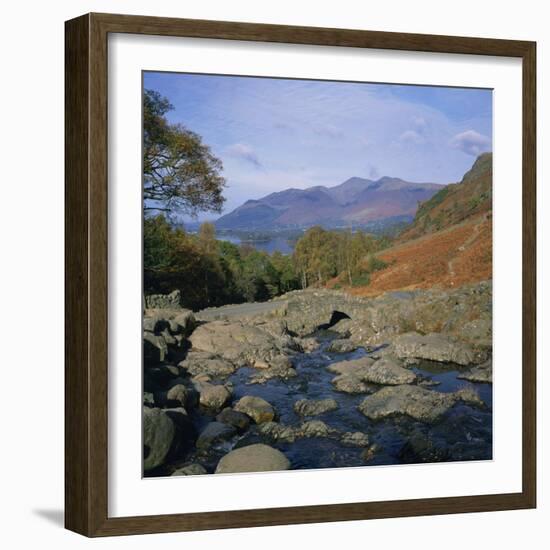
86, 279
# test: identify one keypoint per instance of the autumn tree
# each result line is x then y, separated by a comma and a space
180, 173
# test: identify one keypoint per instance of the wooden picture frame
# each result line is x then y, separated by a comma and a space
86, 223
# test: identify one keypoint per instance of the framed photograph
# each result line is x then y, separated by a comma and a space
300, 275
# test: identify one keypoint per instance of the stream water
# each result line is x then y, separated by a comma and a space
464, 433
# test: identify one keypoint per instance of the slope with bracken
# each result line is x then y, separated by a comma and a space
448, 244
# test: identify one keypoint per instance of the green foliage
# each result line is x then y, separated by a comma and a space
209, 272
321, 255
431, 203
180, 174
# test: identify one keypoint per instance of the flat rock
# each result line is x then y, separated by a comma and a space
253, 458
312, 407
237, 342
348, 383
198, 363
257, 408
414, 401
342, 345
481, 373
434, 347
353, 366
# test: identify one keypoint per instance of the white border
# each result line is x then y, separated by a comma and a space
129, 494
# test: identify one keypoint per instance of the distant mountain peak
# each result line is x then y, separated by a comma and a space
356, 199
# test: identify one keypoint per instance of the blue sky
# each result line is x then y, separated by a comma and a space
272, 134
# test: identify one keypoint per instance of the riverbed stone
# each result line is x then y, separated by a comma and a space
238, 342
215, 432
342, 345
158, 435
414, 401
355, 439
482, 373
201, 363
190, 470
352, 366
238, 420
434, 347
314, 407
257, 408
315, 428
213, 396
348, 383
253, 458
279, 432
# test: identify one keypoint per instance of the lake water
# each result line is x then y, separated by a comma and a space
280, 244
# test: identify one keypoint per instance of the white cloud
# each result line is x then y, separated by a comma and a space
244, 151
471, 143
411, 136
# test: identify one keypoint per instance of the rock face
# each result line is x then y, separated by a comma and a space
215, 432
315, 428
254, 458
158, 435
257, 408
311, 407
163, 328
164, 301
414, 401
434, 347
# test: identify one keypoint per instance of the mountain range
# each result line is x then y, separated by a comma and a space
355, 201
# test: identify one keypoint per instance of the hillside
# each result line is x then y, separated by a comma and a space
449, 243
457, 202
355, 201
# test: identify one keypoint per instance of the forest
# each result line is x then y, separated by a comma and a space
211, 272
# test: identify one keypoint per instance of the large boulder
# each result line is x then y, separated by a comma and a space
312, 407
253, 458
257, 408
434, 347
414, 401
238, 342
158, 435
